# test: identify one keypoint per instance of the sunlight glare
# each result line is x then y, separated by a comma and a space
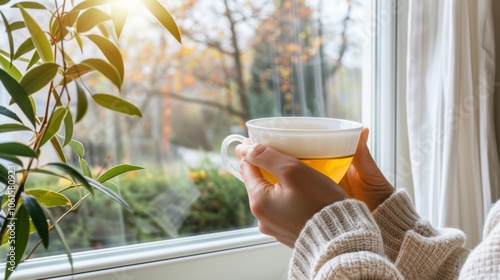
127, 6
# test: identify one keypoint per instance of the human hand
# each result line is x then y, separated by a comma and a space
364, 180
283, 209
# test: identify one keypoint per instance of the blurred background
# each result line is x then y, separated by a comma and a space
239, 60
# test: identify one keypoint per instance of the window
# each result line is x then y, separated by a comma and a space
239, 60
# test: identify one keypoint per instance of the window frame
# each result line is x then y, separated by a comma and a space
386, 115
383, 112
169, 257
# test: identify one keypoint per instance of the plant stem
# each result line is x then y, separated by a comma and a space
20, 190
42, 129
73, 208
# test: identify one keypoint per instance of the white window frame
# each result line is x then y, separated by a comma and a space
246, 253
385, 115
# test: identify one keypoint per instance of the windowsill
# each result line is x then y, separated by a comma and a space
178, 250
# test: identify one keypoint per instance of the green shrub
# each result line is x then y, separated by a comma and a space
172, 202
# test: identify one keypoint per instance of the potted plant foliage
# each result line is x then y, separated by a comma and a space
40, 66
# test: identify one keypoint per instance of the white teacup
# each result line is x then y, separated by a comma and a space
325, 144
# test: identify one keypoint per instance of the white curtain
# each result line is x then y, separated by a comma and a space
450, 80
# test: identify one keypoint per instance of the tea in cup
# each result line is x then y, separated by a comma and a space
325, 144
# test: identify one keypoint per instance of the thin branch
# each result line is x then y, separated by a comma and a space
217, 45
73, 208
222, 107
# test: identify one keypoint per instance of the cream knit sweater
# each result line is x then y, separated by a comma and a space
346, 241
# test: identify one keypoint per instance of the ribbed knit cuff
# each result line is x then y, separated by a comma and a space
330, 223
395, 217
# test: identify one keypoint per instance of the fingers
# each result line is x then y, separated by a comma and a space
260, 191
265, 157
283, 208
252, 177
243, 147
363, 160
285, 168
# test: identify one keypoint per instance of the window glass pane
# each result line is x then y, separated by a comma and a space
239, 60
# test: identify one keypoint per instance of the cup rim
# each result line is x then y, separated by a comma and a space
356, 125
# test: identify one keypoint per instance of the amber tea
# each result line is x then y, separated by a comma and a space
334, 168
325, 144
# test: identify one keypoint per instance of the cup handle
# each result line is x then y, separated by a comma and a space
223, 153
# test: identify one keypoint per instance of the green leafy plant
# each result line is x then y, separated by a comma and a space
41, 68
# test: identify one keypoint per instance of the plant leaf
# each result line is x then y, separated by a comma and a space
5, 238
119, 14
81, 103
8, 113
37, 217
117, 170
91, 18
32, 102
18, 94
49, 199
30, 5
58, 149
110, 51
13, 159
68, 21
79, 41
105, 68
8, 29
68, 59
24, 48
112, 185
68, 128
84, 166
77, 147
16, 149
3, 2
54, 124
22, 229
91, 3
10, 68
60, 234
164, 17
4, 175
116, 104
40, 41
73, 173
103, 29
9, 127
17, 25
34, 60
109, 193
39, 77
57, 98
50, 173
75, 72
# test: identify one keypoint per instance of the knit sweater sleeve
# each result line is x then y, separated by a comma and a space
346, 241
342, 241
419, 250
484, 261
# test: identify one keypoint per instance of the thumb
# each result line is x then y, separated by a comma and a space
363, 161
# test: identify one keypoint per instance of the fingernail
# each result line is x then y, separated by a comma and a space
243, 152
243, 149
